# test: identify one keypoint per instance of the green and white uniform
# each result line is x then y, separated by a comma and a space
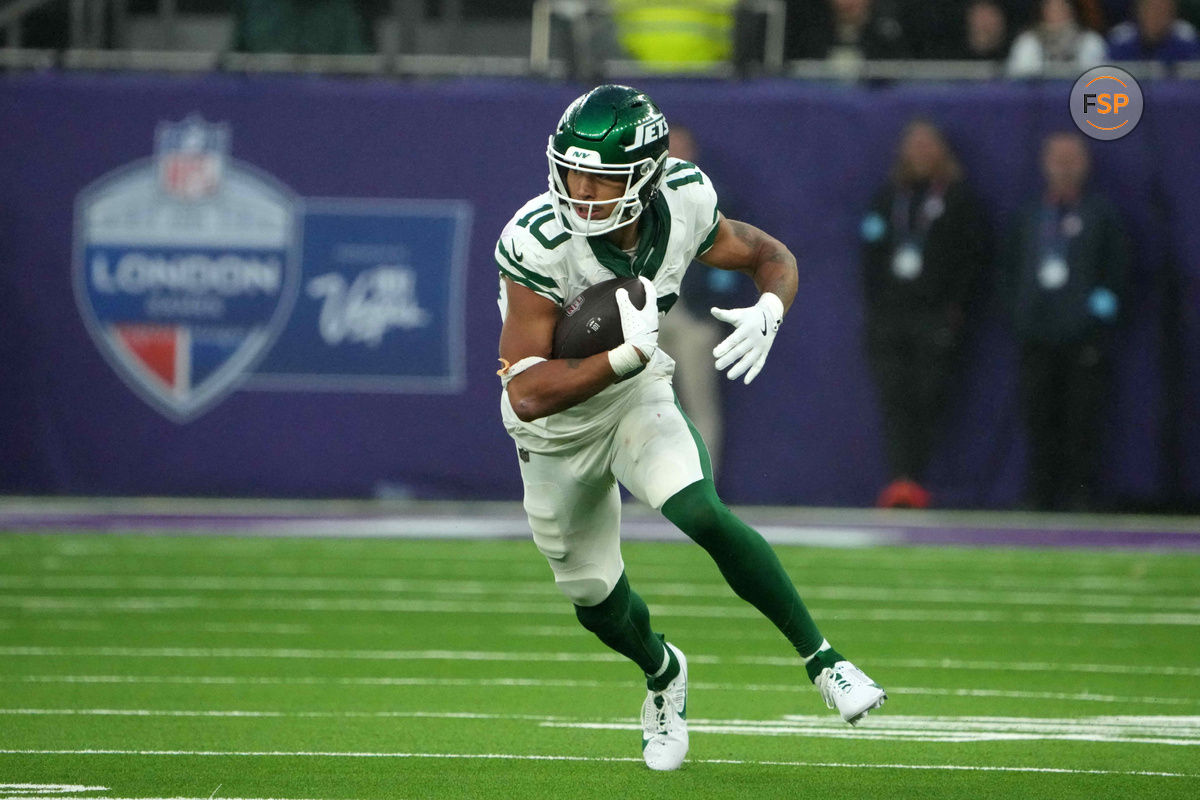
632, 431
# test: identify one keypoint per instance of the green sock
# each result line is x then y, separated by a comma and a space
748, 563
622, 622
820, 660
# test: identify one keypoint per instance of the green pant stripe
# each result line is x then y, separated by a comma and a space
702, 449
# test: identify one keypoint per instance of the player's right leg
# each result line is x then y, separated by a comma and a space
574, 510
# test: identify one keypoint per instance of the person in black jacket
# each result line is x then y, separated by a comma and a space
1067, 263
924, 247
843, 31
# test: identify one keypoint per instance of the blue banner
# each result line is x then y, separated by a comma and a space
380, 306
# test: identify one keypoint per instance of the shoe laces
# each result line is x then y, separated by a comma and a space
833, 682
659, 709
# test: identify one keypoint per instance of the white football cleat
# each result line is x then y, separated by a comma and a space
847, 688
664, 721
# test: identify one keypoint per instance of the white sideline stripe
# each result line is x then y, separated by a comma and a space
480, 655
1035, 666
361, 587
1159, 730
50, 787
105, 797
1175, 730
1146, 588
41, 603
522, 757
153, 712
437, 527
567, 683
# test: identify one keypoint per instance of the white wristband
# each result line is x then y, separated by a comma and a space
624, 359
508, 373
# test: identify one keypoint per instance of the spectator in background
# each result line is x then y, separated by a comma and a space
1189, 11
1066, 271
924, 247
300, 26
985, 33
932, 28
1155, 34
689, 332
1056, 38
848, 32
669, 35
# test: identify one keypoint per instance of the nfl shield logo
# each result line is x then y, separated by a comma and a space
191, 157
184, 293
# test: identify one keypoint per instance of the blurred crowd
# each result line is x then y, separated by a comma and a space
1023, 35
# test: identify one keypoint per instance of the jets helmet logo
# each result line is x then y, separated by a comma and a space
649, 131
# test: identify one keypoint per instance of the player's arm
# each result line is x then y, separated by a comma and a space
744, 248
554, 385
741, 247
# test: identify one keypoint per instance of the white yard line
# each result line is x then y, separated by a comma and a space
360, 588
487, 655
260, 714
1180, 730
523, 757
151, 604
1175, 731
42, 788
567, 683
1116, 729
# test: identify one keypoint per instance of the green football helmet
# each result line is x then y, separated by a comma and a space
613, 132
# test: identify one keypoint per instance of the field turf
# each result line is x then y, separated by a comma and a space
136, 666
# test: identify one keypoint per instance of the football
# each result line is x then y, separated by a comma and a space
591, 323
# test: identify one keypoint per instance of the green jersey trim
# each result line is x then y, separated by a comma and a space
523, 222
694, 177
530, 285
515, 266
712, 234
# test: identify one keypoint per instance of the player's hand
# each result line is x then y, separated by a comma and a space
753, 333
639, 326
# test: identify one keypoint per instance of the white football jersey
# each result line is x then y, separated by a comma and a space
535, 251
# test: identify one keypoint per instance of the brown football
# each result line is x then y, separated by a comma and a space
591, 323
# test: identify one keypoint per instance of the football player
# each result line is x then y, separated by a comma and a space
618, 206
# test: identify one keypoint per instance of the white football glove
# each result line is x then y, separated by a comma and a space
753, 333
639, 326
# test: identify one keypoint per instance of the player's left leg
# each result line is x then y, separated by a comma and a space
665, 464
752, 569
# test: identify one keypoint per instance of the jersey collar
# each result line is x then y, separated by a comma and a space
654, 231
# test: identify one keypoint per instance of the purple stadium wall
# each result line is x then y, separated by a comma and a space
798, 160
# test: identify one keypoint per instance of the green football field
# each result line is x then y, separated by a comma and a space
221, 667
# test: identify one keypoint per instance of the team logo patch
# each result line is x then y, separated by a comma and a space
185, 267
